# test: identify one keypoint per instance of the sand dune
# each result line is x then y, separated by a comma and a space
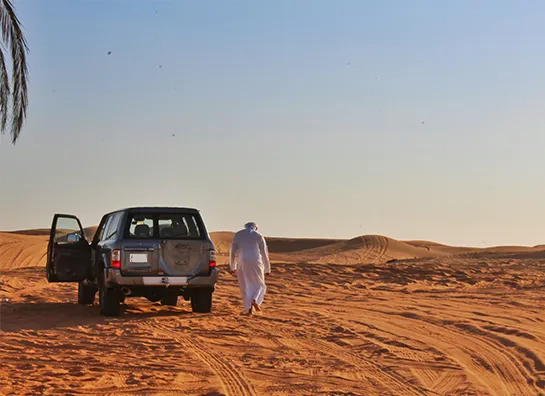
366, 249
510, 249
22, 250
454, 321
440, 248
359, 250
36, 232
90, 232
222, 240
27, 248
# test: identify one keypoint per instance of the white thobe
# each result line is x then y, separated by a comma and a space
250, 258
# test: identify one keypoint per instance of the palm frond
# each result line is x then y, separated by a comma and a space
4, 93
13, 38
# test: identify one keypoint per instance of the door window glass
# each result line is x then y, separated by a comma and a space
67, 230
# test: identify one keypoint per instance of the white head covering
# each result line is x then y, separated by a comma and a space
251, 226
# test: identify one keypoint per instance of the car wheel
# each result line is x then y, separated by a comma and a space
201, 301
110, 301
49, 274
86, 294
171, 300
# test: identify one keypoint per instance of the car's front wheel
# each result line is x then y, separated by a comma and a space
201, 300
49, 274
86, 293
110, 301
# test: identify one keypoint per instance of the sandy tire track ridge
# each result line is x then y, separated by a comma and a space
489, 364
234, 383
378, 250
391, 382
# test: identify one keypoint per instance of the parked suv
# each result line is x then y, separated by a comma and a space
154, 252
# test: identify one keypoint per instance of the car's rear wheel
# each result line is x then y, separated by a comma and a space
86, 293
170, 300
201, 300
110, 301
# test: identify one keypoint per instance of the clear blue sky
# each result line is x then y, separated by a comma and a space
411, 119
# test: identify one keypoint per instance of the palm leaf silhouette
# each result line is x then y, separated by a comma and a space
14, 93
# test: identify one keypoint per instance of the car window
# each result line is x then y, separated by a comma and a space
113, 225
104, 230
67, 230
140, 226
100, 231
178, 226
169, 225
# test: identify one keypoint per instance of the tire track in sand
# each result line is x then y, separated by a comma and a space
87, 366
233, 382
488, 366
404, 355
378, 249
373, 249
371, 371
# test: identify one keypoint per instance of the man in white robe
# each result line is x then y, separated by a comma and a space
249, 261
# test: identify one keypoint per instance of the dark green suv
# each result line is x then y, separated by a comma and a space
159, 253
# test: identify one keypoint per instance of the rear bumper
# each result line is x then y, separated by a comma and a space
114, 278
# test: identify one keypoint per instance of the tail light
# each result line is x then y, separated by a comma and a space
212, 259
116, 258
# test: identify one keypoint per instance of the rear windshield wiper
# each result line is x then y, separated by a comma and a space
111, 235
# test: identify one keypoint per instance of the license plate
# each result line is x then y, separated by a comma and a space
165, 280
138, 258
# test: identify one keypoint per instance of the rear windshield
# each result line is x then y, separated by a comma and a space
164, 226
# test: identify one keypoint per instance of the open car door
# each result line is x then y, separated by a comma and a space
68, 251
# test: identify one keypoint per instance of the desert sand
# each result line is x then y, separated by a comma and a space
366, 316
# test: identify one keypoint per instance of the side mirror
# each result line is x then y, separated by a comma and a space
74, 237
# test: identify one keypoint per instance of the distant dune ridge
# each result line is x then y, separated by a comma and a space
89, 232
365, 249
27, 248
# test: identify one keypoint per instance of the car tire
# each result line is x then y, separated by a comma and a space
170, 300
110, 301
86, 294
201, 301
49, 274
